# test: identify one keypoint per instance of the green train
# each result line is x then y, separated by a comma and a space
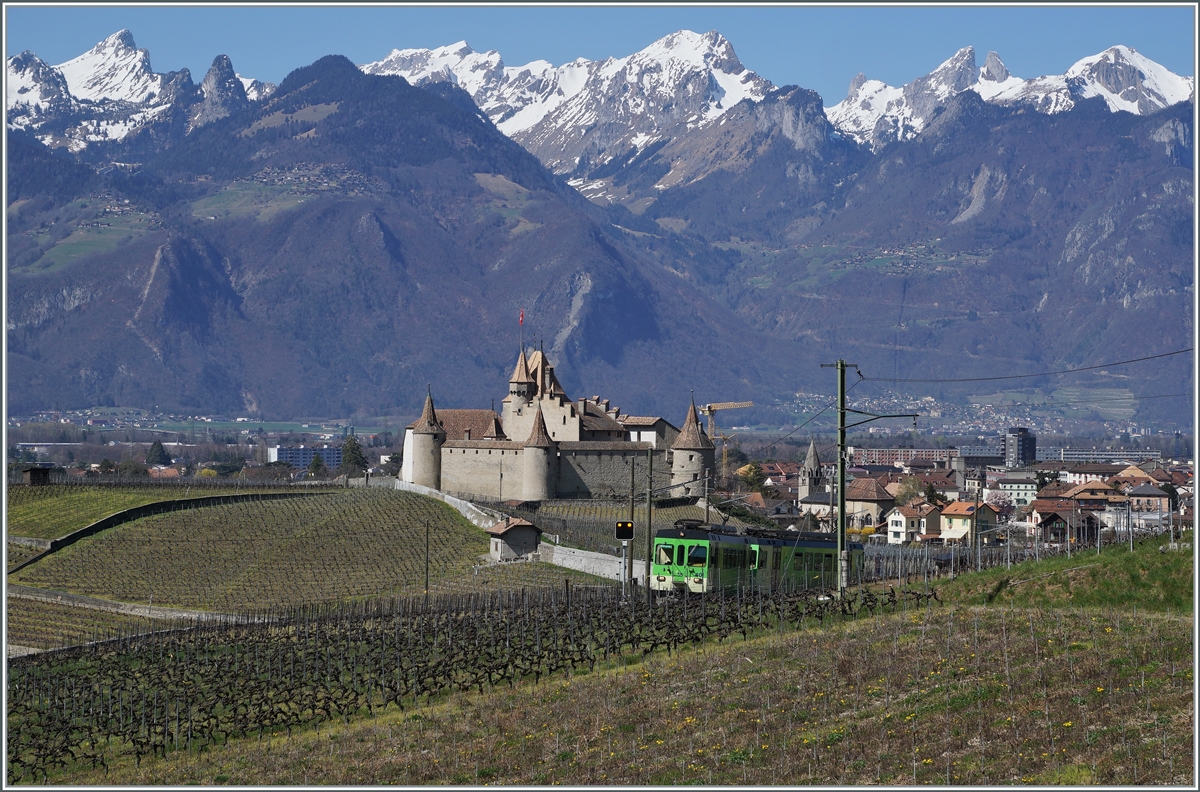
695, 557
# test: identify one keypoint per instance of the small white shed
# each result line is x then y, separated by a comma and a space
513, 538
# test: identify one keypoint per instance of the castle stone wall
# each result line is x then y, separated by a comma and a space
478, 471
604, 472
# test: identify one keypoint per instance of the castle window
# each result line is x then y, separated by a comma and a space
564, 420
690, 456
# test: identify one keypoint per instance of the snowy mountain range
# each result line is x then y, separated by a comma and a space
579, 118
584, 113
111, 91
877, 114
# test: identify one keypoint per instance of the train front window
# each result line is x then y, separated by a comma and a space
665, 555
754, 558
698, 556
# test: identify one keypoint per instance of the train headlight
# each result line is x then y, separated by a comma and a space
661, 578
698, 580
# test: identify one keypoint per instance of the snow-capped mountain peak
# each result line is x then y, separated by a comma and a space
591, 110
876, 113
114, 69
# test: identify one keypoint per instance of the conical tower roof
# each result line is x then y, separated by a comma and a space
428, 422
521, 372
691, 436
539, 437
811, 462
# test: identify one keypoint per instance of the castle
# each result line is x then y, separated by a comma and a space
544, 445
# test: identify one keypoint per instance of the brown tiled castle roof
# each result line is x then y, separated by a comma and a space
539, 437
691, 436
428, 422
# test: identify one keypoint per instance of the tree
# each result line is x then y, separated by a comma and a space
353, 460
1044, 479
933, 496
107, 466
157, 455
1002, 501
392, 466
910, 490
317, 468
131, 468
752, 476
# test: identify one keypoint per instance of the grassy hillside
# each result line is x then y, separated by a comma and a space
950, 695
57, 510
1144, 579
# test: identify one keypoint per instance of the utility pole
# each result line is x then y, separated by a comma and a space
649, 520
842, 556
625, 546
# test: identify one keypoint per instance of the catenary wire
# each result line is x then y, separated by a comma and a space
1041, 374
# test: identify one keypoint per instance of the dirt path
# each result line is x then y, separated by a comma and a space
80, 601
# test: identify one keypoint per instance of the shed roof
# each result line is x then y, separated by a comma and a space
508, 524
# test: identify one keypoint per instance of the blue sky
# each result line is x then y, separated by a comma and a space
821, 48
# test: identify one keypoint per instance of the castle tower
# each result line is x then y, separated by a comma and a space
539, 459
693, 454
522, 386
428, 437
810, 480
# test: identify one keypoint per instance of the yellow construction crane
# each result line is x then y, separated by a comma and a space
710, 410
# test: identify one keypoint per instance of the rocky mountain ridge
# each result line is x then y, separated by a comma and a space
111, 91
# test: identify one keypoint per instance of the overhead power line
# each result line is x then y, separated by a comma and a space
1040, 374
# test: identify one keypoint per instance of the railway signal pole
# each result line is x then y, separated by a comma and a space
843, 560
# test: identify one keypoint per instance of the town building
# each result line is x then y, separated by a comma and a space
1020, 447
963, 521
301, 456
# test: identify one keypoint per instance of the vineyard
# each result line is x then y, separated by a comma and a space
208, 684
260, 555
19, 553
48, 625
56, 510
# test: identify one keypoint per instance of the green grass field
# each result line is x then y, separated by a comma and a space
86, 241
1144, 579
247, 199
57, 510
50, 625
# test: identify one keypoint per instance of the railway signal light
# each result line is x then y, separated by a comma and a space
624, 529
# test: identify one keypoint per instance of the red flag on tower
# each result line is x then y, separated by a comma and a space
521, 321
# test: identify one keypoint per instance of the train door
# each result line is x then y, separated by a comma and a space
697, 567
665, 568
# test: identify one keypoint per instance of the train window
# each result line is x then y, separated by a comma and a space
665, 554
698, 556
679, 555
828, 562
754, 558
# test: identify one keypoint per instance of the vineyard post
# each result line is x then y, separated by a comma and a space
426, 561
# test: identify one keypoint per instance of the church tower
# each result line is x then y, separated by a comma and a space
539, 458
810, 480
428, 437
693, 454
